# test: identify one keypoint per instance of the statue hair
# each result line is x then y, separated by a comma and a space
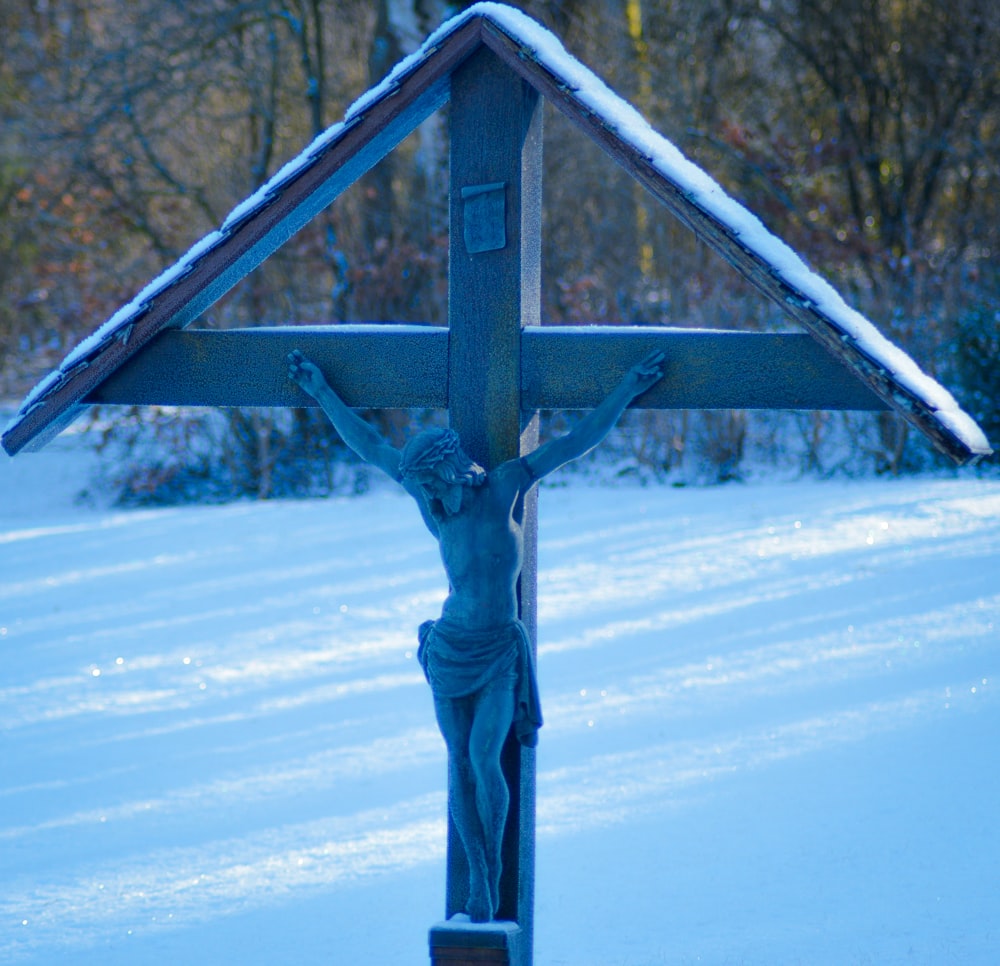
440, 451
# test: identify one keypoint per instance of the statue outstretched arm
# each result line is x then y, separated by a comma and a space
599, 421
353, 430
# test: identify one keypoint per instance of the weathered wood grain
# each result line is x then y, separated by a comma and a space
384, 366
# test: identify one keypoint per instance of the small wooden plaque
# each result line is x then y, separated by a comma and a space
485, 212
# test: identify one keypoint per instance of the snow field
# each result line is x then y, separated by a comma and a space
771, 718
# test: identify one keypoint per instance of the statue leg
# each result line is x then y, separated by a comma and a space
490, 726
455, 719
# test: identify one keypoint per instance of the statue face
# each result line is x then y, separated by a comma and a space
435, 461
449, 495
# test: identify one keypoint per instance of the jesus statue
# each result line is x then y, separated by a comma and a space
476, 655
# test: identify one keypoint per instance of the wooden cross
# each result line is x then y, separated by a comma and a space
494, 366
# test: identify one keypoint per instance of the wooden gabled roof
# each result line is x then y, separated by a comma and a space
381, 119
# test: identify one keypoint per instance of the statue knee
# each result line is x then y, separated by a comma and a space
461, 764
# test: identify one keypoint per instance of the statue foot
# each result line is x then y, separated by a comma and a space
479, 906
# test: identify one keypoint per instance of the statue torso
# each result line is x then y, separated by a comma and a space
482, 548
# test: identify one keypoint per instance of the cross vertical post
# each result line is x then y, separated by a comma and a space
494, 290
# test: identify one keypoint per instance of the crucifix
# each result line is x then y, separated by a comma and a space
495, 365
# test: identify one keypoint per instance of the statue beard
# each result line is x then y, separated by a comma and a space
452, 500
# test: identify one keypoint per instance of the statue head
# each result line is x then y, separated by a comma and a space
436, 461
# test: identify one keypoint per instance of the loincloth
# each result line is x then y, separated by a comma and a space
458, 663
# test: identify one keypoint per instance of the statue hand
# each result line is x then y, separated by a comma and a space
646, 373
305, 373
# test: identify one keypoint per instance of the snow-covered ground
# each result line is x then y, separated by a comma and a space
771, 726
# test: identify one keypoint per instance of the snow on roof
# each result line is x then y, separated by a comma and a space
629, 126
117, 327
705, 192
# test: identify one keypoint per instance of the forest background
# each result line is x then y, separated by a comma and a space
866, 133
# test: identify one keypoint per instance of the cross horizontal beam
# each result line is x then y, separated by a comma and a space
389, 366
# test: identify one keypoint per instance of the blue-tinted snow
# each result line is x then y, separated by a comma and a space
771, 716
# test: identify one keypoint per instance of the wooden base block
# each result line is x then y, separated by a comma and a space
455, 956
459, 942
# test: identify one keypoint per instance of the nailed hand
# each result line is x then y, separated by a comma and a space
646, 373
305, 373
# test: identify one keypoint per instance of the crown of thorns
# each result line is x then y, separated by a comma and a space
427, 449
